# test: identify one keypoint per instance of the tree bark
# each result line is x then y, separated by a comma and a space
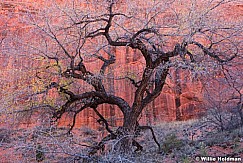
126, 134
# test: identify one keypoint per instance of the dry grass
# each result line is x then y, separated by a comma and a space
179, 146
180, 142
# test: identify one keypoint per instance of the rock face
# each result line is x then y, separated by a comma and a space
181, 98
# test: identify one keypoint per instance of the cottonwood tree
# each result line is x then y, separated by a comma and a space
168, 35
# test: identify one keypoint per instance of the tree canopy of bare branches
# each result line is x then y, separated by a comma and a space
74, 38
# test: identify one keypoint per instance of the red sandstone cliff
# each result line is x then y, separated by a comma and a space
181, 98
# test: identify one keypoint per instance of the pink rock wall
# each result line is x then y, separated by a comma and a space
178, 101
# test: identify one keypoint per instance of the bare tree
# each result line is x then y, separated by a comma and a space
71, 36
223, 98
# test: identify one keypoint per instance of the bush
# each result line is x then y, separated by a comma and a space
171, 143
4, 136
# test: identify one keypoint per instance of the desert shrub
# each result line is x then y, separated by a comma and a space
88, 131
171, 143
223, 119
4, 136
216, 138
39, 154
186, 159
220, 137
234, 122
203, 149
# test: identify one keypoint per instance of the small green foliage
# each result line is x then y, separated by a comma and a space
39, 154
186, 159
171, 143
203, 149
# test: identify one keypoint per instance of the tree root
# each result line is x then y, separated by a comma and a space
139, 128
101, 144
139, 147
119, 133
